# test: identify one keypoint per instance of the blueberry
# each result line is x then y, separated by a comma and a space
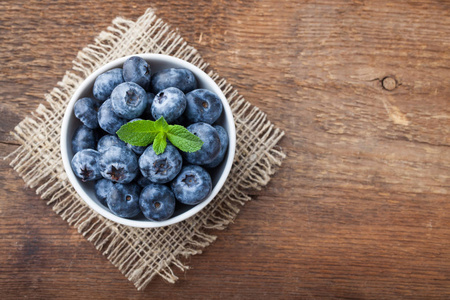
108, 141
137, 70
203, 106
142, 181
223, 137
182, 79
169, 103
83, 138
160, 168
105, 83
85, 109
108, 120
147, 114
118, 164
182, 121
192, 185
129, 100
138, 150
85, 165
157, 202
102, 189
211, 144
123, 200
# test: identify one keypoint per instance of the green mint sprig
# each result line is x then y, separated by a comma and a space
145, 132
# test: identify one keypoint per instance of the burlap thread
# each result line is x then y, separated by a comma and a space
141, 254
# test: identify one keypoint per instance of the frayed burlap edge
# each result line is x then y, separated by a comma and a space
140, 254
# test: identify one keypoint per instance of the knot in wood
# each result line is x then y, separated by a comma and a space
389, 83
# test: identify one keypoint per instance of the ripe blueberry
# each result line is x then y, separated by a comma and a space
142, 181
83, 138
85, 165
169, 103
85, 109
223, 137
192, 185
203, 106
137, 70
108, 120
102, 189
160, 168
182, 79
118, 164
123, 200
211, 144
129, 100
157, 202
108, 141
105, 83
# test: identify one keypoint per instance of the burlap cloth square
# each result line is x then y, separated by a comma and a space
140, 254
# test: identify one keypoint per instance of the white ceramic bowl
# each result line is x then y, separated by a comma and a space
86, 189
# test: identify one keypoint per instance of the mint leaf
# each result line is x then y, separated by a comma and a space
160, 143
181, 138
161, 125
138, 133
145, 132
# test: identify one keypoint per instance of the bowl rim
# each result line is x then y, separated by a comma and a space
68, 114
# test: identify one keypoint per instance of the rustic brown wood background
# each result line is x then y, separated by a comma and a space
359, 209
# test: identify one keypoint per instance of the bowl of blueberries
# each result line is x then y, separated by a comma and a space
148, 140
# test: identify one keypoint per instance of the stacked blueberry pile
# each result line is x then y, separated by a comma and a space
134, 145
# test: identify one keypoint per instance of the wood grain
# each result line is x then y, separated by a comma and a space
359, 208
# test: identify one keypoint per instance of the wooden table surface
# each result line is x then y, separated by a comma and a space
359, 209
